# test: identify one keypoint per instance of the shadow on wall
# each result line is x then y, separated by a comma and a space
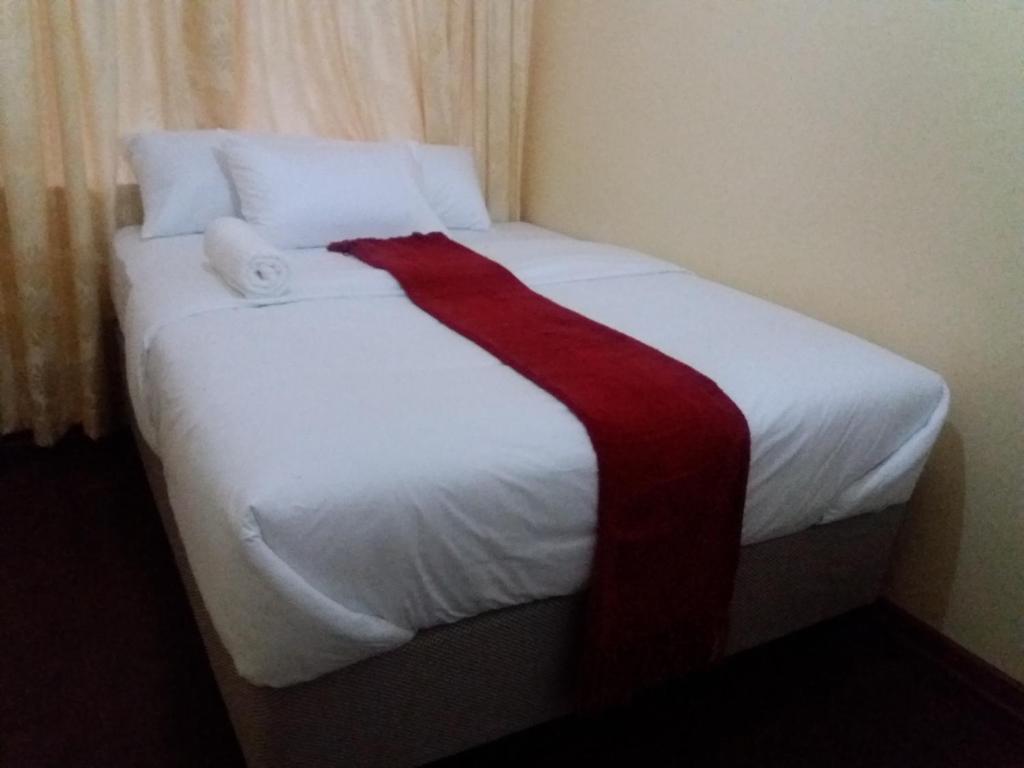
929, 542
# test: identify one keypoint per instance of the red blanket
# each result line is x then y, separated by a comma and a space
672, 456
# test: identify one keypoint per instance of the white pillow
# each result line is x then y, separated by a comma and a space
307, 194
182, 184
451, 185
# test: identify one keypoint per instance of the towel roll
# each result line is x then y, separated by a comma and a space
244, 260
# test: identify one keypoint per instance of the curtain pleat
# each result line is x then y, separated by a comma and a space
209, 30
29, 264
82, 35
76, 75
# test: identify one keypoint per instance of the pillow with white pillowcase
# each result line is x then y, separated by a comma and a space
304, 194
182, 185
446, 174
451, 185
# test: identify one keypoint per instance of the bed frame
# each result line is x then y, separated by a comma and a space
460, 685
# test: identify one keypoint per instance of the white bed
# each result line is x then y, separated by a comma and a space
344, 470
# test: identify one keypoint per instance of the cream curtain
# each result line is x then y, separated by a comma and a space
75, 75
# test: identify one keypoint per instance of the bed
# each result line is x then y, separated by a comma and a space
385, 532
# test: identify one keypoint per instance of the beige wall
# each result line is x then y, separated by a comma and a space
861, 162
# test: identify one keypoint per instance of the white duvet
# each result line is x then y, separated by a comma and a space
345, 470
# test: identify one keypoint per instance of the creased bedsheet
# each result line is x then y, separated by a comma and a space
345, 470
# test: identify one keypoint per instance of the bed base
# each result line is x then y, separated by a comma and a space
460, 685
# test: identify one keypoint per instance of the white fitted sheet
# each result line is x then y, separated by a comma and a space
345, 470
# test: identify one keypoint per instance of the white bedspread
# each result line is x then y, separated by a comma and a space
345, 470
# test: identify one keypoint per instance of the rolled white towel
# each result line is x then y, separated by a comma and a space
244, 260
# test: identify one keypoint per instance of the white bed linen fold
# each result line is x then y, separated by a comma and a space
345, 470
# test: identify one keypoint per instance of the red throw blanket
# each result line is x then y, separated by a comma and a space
672, 457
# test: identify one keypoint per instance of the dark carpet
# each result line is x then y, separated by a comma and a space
101, 663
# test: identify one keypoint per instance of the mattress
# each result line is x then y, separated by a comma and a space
345, 471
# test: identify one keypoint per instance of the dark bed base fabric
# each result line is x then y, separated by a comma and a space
459, 685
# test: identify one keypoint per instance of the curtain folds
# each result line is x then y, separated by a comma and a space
77, 75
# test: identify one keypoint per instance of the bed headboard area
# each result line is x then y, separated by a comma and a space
127, 205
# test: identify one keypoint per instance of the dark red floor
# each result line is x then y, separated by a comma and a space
101, 664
